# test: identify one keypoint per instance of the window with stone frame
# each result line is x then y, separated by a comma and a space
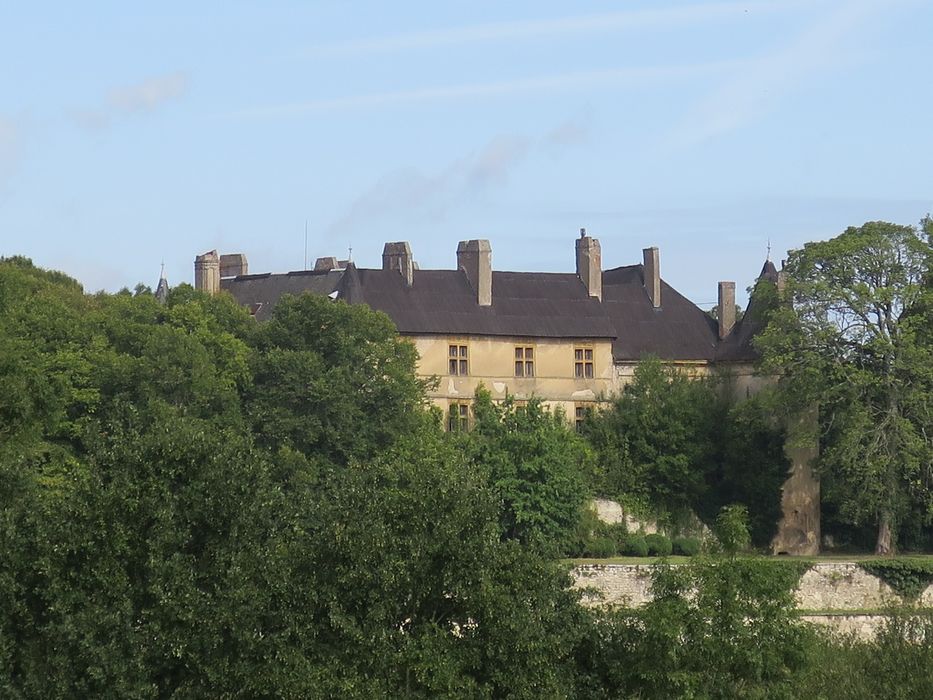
524, 361
458, 417
583, 362
458, 363
580, 411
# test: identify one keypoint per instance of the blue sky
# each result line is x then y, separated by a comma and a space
130, 135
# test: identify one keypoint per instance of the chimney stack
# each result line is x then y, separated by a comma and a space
397, 256
325, 264
782, 280
475, 259
233, 265
589, 264
652, 274
726, 308
207, 272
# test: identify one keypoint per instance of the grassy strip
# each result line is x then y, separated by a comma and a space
643, 561
820, 559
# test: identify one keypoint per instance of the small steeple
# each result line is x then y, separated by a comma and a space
161, 292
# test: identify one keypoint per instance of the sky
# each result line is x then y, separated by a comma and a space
132, 136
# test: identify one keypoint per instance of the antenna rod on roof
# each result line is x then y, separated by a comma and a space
768, 256
306, 245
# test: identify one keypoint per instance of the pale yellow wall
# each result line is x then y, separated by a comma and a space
492, 364
625, 371
742, 380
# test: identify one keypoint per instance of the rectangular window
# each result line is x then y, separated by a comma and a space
583, 363
524, 361
579, 415
457, 361
458, 419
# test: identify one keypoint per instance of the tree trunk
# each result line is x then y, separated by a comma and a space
884, 545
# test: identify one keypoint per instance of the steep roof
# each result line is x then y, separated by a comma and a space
677, 330
738, 346
261, 292
524, 304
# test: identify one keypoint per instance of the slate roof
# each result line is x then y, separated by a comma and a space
677, 330
260, 293
738, 345
524, 304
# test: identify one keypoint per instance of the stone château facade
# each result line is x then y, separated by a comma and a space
569, 339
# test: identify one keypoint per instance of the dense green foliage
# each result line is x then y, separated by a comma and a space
686, 546
678, 445
715, 629
731, 529
659, 545
855, 340
536, 465
908, 577
656, 441
194, 505
753, 466
898, 664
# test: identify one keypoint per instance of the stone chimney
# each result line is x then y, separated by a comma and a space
475, 259
207, 272
652, 274
397, 256
782, 281
233, 265
326, 264
589, 265
726, 310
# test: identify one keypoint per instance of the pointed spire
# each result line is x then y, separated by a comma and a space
161, 292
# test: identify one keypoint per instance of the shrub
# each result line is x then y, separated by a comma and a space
659, 545
908, 577
616, 532
635, 546
587, 528
686, 546
601, 548
731, 528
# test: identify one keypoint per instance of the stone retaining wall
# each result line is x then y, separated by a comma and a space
614, 584
843, 586
826, 587
863, 627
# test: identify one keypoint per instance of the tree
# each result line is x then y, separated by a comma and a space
536, 465
854, 340
332, 379
182, 516
752, 466
715, 628
731, 529
658, 439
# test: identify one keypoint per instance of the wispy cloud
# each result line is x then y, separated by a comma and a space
561, 26
145, 96
149, 94
649, 75
759, 85
569, 133
431, 195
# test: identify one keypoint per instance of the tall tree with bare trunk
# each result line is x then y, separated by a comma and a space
855, 339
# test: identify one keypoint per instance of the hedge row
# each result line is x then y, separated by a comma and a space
609, 544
